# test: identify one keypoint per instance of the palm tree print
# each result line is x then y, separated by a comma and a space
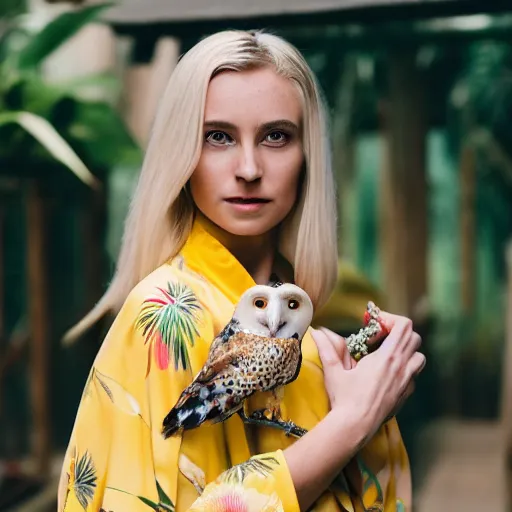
82, 481
371, 486
260, 465
164, 504
169, 320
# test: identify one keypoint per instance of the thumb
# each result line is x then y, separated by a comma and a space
326, 350
340, 345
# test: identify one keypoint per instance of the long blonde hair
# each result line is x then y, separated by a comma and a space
161, 213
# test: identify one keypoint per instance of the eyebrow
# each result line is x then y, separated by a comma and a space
271, 125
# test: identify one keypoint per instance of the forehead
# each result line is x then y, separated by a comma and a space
259, 95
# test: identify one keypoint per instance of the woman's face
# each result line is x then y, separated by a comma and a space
247, 178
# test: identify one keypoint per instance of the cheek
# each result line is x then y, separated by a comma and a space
286, 176
204, 181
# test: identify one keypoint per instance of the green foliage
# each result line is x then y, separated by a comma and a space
41, 122
11, 7
54, 34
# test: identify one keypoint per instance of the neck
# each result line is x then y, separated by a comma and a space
255, 253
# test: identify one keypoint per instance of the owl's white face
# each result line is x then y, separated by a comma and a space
275, 312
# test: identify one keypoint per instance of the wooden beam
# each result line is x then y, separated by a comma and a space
38, 299
403, 206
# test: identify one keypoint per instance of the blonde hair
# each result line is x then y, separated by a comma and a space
161, 213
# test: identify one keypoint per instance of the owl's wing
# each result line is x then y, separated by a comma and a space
228, 352
220, 343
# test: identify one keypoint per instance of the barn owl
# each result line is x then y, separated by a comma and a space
259, 350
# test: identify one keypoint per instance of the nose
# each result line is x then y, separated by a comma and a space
249, 168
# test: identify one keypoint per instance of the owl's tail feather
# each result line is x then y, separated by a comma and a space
190, 411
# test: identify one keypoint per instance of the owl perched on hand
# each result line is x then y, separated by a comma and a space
259, 350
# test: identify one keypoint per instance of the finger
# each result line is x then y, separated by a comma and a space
340, 347
413, 345
400, 331
326, 351
416, 364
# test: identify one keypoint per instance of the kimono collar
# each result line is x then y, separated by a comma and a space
204, 254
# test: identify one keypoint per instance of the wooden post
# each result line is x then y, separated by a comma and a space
39, 328
2, 274
343, 155
92, 217
506, 395
468, 229
403, 208
143, 86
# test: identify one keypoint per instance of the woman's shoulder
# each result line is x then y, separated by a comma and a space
164, 313
171, 279
175, 287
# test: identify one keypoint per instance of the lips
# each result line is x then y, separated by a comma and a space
247, 200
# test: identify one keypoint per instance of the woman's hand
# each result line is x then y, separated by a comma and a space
376, 387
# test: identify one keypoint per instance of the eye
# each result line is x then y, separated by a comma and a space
260, 303
293, 304
277, 138
218, 138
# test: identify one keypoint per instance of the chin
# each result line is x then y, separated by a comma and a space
251, 228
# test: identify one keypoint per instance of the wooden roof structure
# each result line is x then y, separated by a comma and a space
303, 22
138, 12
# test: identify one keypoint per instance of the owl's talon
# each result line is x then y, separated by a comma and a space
258, 418
294, 430
259, 415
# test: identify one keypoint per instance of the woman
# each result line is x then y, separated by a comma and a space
236, 189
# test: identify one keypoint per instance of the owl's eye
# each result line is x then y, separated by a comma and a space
293, 304
260, 303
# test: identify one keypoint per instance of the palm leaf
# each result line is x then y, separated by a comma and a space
164, 502
85, 480
261, 465
163, 498
171, 318
48, 137
370, 480
119, 396
55, 34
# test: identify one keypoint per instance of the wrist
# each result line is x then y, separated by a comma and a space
355, 423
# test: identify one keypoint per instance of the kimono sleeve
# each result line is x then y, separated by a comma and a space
263, 483
117, 458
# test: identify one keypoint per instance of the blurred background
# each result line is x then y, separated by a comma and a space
420, 103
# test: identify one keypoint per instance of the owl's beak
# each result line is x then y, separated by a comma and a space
274, 324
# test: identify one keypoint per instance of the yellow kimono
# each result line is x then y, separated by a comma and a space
117, 460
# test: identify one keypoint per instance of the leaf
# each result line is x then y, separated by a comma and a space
80, 87
162, 496
56, 33
103, 135
164, 503
121, 398
260, 465
149, 503
370, 481
193, 473
85, 480
48, 137
170, 318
